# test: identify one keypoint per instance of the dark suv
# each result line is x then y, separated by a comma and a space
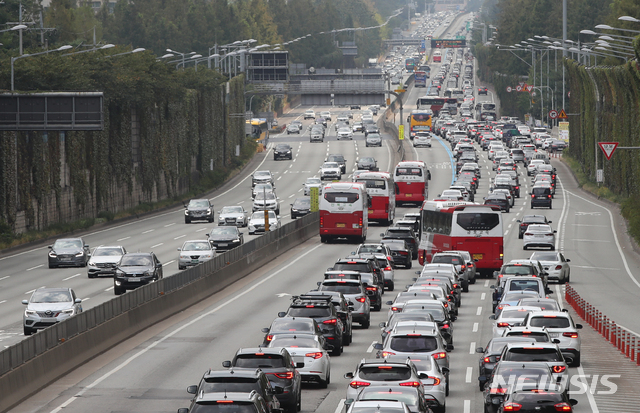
370, 274
340, 160
136, 269
238, 381
343, 308
198, 210
405, 234
282, 151
324, 312
279, 367
540, 197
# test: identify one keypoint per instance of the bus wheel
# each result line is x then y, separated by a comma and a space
323, 239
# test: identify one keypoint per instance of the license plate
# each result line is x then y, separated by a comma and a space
554, 335
409, 195
340, 225
133, 280
65, 259
223, 244
477, 256
195, 261
371, 211
539, 236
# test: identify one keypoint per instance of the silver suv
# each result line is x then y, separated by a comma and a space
48, 306
104, 259
373, 372
561, 327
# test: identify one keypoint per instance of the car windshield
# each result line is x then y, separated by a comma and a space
472, 221
302, 202
408, 171
545, 256
516, 270
413, 344
196, 246
310, 310
352, 266
282, 147
341, 288
369, 409
198, 203
281, 325
259, 360
384, 373
107, 252
550, 322
228, 384
447, 259
224, 231
265, 195
539, 228
532, 354
231, 210
67, 243
514, 314
537, 336
48, 296
298, 341
215, 407
544, 305
335, 158
135, 261
259, 215
330, 165
314, 181
370, 248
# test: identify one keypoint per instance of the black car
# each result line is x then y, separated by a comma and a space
280, 369
354, 107
282, 151
368, 163
544, 400
406, 234
71, 252
198, 210
340, 160
400, 252
370, 274
300, 207
225, 238
136, 269
344, 312
530, 219
482, 90
324, 312
498, 199
238, 381
540, 197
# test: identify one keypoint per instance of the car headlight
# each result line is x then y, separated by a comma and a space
29, 313
288, 151
119, 273
236, 240
252, 228
206, 256
91, 264
52, 254
147, 273
184, 257
80, 254
209, 211
294, 210
186, 212
70, 311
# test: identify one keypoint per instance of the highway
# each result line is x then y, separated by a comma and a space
150, 372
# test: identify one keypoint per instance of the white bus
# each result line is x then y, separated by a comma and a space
382, 194
343, 211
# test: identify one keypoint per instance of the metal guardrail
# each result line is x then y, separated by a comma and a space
50, 337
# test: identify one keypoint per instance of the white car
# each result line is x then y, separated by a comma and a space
533, 165
422, 140
256, 222
233, 215
326, 115
262, 188
555, 264
330, 170
345, 133
508, 317
560, 326
195, 252
104, 259
313, 182
306, 350
539, 235
267, 200
451, 194
309, 114
359, 406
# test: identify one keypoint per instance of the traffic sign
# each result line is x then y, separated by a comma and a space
521, 83
608, 148
509, 89
553, 114
519, 88
401, 132
529, 88
562, 114
400, 90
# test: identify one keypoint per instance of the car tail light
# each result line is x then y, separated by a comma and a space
498, 390
559, 369
388, 353
361, 299
446, 305
455, 285
231, 401
387, 268
411, 384
269, 337
331, 321
511, 407
487, 360
355, 384
571, 334
360, 222
310, 306
503, 324
316, 355
288, 375
563, 407
403, 252
549, 196
440, 355
528, 234
500, 307
372, 288
396, 309
558, 267
445, 326
549, 235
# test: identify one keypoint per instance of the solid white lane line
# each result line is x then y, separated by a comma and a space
340, 406
202, 229
73, 276
168, 225
475, 326
467, 378
472, 347
3, 301
479, 311
467, 406
109, 289
177, 330
37, 266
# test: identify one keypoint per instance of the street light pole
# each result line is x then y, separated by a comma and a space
13, 59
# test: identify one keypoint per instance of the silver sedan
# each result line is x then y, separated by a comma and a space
538, 235
195, 252
555, 264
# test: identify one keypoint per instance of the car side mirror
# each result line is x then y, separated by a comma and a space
226, 364
179, 249
492, 317
377, 346
449, 347
78, 301
578, 326
282, 314
492, 286
25, 302
264, 330
348, 375
193, 389
381, 234
480, 350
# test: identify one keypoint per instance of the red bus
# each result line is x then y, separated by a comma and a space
412, 182
343, 211
382, 196
464, 226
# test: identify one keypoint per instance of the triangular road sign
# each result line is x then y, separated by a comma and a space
608, 148
529, 88
562, 114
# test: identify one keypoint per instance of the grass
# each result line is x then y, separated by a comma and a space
629, 206
209, 181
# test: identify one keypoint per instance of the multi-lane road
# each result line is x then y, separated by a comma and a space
150, 372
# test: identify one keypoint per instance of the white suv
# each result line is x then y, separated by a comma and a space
309, 114
560, 326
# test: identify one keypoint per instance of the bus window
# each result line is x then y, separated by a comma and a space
374, 183
342, 197
478, 221
409, 171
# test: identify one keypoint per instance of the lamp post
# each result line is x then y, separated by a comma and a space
181, 54
13, 59
138, 50
106, 46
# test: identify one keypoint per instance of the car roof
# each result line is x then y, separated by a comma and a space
262, 350
227, 396
234, 372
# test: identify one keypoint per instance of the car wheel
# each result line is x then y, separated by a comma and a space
187, 221
366, 324
447, 388
181, 267
323, 239
391, 286
28, 331
409, 265
576, 361
52, 266
210, 220
520, 235
524, 247
552, 248
379, 306
89, 275
480, 386
465, 286
118, 290
337, 351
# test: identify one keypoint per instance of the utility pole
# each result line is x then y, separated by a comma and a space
564, 40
